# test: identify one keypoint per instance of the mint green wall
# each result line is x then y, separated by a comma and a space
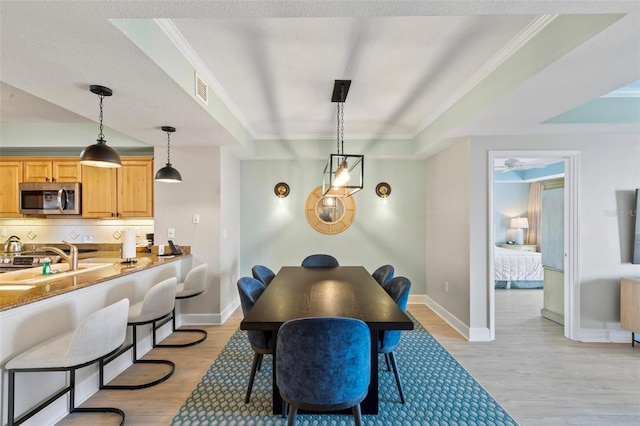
275, 232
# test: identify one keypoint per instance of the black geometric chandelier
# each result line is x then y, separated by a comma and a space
168, 173
100, 154
343, 174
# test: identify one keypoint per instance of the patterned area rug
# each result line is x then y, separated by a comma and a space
438, 391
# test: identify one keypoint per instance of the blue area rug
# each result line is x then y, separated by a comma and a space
438, 391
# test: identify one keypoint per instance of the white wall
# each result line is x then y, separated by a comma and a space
275, 232
229, 237
175, 204
609, 172
447, 233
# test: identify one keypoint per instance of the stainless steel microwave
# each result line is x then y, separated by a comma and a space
40, 198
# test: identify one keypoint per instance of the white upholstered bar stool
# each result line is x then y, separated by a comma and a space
194, 285
157, 304
98, 336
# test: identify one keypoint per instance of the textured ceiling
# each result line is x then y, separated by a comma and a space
422, 72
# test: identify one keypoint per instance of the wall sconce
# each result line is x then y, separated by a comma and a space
519, 223
281, 190
383, 190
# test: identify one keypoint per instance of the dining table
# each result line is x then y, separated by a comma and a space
343, 291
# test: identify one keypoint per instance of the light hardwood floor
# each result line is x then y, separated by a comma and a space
536, 374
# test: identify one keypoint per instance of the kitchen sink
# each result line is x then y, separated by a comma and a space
58, 270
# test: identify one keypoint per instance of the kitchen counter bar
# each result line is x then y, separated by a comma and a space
10, 298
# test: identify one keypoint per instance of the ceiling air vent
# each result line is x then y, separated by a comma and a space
202, 90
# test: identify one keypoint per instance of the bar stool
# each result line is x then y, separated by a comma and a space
194, 284
157, 304
98, 336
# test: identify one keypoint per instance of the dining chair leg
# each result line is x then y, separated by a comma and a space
357, 415
257, 359
394, 365
293, 412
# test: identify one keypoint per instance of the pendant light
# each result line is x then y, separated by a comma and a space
343, 174
100, 154
167, 173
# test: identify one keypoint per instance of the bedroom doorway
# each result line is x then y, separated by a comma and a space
516, 230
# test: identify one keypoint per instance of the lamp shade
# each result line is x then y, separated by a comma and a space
100, 155
520, 223
168, 174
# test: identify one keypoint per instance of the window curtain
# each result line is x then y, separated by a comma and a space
534, 213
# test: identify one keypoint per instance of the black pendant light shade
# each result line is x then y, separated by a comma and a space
100, 154
168, 173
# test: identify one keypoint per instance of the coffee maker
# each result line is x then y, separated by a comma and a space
149, 243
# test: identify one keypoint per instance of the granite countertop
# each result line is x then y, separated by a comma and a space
11, 297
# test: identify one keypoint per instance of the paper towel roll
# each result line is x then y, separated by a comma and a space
129, 244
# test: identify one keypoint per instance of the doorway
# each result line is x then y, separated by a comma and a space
567, 252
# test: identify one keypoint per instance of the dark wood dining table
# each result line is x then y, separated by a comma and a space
344, 291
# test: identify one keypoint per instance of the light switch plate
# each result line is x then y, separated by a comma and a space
171, 233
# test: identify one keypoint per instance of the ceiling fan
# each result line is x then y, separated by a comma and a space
512, 164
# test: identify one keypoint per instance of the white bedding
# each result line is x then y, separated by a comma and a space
517, 265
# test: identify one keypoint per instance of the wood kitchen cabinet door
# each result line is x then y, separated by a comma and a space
99, 192
10, 176
64, 170
135, 188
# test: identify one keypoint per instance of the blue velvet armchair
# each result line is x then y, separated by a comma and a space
263, 274
261, 342
323, 364
383, 274
398, 288
320, 261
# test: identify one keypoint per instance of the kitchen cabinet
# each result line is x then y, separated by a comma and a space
10, 176
47, 170
123, 192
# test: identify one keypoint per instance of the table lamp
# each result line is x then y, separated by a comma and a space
519, 223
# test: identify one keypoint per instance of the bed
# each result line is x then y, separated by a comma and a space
517, 269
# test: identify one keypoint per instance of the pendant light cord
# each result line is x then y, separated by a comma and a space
342, 128
168, 149
101, 135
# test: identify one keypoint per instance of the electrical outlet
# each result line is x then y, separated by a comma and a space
171, 233
4, 232
87, 239
446, 286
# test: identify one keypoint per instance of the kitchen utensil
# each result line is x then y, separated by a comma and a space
13, 245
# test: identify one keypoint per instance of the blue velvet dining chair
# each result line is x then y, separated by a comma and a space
383, 274
320, 261
323, 364
250, 289
263, 274
398, 289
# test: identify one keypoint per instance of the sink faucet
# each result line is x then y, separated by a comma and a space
72, 257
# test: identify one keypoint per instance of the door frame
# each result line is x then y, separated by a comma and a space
571, 234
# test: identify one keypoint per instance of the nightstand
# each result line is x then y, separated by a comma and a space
521, 247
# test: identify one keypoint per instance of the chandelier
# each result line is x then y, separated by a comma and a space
343, 174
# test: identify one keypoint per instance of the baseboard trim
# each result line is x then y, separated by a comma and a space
599, 335
449, 318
